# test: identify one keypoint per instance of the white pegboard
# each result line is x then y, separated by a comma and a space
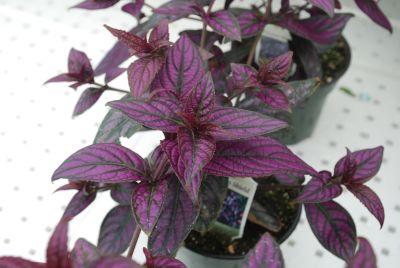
37, 131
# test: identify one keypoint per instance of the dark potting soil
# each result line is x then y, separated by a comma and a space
333, 61
216, 244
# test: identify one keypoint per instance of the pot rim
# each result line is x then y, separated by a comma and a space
241, 257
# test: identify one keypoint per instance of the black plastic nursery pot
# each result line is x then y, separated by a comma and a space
217, 246
304, 117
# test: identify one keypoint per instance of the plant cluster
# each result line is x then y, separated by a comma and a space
216, 109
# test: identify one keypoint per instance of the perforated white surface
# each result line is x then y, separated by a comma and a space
37, 132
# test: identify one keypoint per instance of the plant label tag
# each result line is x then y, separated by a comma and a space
237, 203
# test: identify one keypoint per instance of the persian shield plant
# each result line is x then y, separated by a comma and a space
216, 113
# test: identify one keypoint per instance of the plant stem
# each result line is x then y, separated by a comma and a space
149, 6
268, 11
133, 243
107, 87
203, 35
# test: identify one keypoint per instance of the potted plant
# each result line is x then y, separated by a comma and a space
207, 105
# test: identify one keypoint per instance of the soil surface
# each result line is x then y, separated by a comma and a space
333, 61
215, 244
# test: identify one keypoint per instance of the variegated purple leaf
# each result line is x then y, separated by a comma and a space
116, 231
103, 162
274, 98
122, 192
212, 195
96, 4
201, 99
298, 91
141, 73
183, 68
79, 63
367, 163
147, 202
134, 8
196, 150
320, 189
115, 262
160, 33
16, 262
135, 43
161, 261
84, 254
289, 179
328, 6
159, 113
113, 73
116, 125
308, 56
175, 222
371, 8
57, 249
255, 157
266, 254
88, 98
171, 149
241, 124
333, 227
319, 28
275, 69
242, 75
224, 23
365, 256
79, 202
251, 23
369, 199
179, 8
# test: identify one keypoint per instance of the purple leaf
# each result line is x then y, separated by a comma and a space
179, 8
116, 125
274, 98
159, 113
326, 5
212, 195
289, 179
275, 69
147, 202
264, 216
57, 249
134, 8
367, 163
251, 23
115, 262
308, 56
369, 199
160, 33
116, 231
333, 227
62, 78
320, 189
142, 72
242, 75
195, 36
103, 162
196, 150
16, 262
371, 8
241, 124
171, 149
175, 222
201, 99
365, 256
183, 68
161, 261
319, 28
266, 254
135, 43
84, 254
79, 202
113, 73
96, 4
122, 192
298, 91
255, 157
79, 64
224, 23
88, 98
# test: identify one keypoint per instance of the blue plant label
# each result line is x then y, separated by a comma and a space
236, 207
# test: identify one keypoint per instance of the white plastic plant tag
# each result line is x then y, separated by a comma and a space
236, 207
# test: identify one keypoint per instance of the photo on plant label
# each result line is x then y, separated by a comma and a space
233, 209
